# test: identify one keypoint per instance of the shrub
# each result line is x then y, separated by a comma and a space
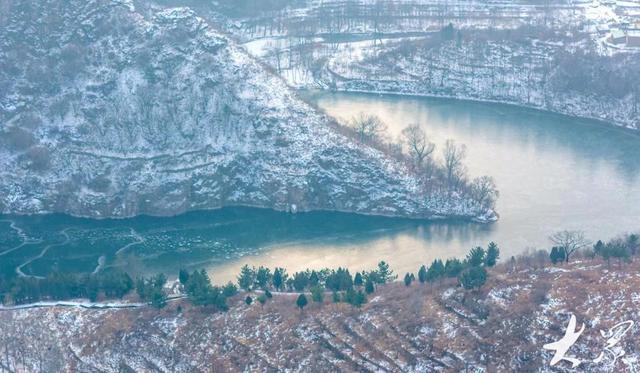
317, 293
301, 302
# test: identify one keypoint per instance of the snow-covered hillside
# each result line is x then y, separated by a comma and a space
110, 112
579, 58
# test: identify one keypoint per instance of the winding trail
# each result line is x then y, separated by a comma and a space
139, 239
26, 240
42, 253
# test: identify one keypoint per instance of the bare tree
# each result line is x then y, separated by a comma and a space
483, 190
417, 144
569, 241
453, 155
369, 127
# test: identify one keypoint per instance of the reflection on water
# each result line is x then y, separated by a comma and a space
553, 173
222, 240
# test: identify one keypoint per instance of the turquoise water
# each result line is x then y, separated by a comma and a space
553, 172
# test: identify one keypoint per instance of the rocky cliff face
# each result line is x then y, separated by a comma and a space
109, 112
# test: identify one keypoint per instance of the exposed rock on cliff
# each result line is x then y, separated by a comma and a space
106, 112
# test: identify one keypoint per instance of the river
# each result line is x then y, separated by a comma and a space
553, 173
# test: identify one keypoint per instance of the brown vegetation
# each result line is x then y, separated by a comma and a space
500, 327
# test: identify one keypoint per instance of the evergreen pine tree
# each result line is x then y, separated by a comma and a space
492, 256
422, 274
557, 255
183, 276
599, 247
385, 274
407, 279
360, 298
300, 281
453, 267
314, 279
230, 289
633, 242
247, 277
369, 287
435, 271
158, 298
357, 281
279, 278
263, 277
473, 277
476, 257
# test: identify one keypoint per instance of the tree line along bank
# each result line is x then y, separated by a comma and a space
260, 284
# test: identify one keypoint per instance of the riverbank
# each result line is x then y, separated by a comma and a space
621, 126
568, 68
503, 326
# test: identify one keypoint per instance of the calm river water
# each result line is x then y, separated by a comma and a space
553, 173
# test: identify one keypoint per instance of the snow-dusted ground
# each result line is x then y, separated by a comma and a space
437, 327
159, 113
504, 52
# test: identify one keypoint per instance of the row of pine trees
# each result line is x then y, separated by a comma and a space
343, 287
